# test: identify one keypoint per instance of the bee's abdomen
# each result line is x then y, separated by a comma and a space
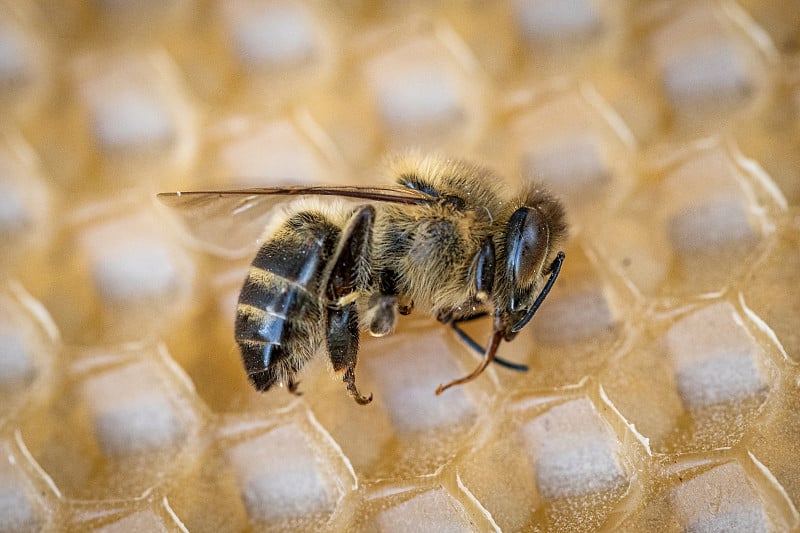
279, 316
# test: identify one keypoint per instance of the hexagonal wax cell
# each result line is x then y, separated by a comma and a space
702, 62
135, 269
706, 206
422, 92
432, 510
272, 35
716, 222
406, 368
569, 164
133, 103
260, 153
14, 55
133, 411
720, 499
20, 509
28, 340
493, 473
17, 368
554, 20
23, 60
24, 199
573, 451
283, 476
574, 144
574, 315
715, 358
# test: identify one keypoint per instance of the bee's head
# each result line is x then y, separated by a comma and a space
533, 233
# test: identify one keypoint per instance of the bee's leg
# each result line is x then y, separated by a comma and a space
488, 357
343, 346
348, 276
292, 385
381, 314
477, 347
405, 305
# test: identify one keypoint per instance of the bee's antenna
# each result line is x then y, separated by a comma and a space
555, 268
488, 357
464, 336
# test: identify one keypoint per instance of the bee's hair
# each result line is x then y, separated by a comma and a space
538, 197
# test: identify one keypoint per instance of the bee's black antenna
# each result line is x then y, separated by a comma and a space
555, 268
478, 348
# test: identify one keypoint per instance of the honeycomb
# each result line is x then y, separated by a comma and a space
663, 392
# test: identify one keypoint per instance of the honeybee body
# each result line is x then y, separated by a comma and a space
446, 238
413, 256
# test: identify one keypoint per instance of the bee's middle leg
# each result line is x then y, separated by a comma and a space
381, 315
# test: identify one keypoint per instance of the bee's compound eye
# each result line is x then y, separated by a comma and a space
527, 242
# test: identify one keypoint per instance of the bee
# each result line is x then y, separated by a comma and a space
447, 237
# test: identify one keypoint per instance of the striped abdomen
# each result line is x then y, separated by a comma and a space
279, 322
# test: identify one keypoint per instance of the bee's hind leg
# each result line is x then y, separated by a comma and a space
347, 277
343, 346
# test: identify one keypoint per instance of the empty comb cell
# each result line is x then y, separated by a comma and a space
706, 205
266, 153
499, 476
639, 254
133, 412
28, 346
713, 224
702, 62
572, 142
133, 104
268, 35
24, 200
14, 56
715, 358
574, 315
20, 510
24, 61
17, 368
130, 118
714, 68
555, 20
134, 269
433, 510
573, 451
405, 375
282, 477
421, 91
363, 434
570, 164
720, 499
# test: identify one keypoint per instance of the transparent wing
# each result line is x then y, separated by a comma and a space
229, 223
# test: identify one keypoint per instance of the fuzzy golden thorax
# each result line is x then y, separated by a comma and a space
433, 248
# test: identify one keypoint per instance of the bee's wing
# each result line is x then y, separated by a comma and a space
229, 223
